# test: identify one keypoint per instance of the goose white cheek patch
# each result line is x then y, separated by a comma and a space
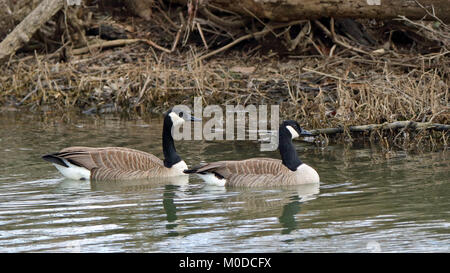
176, 120
292, 131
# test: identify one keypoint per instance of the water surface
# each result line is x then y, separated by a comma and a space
367, 200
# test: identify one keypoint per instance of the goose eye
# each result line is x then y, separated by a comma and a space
180, 114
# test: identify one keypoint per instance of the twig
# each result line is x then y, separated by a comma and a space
323, 74
316, 47
113, 43
177, 38
199, 28
222, 9
258, 34
429, 13
27, 96
333, 34
423, 26
46, 56
259, 20
334, 38
245, 37
153, 44
220, 21
141, 93
293, 43
166, 16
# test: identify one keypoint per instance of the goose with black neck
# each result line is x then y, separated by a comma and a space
118, 163
254, 172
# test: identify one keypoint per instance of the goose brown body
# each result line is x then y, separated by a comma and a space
258, 172
115, 163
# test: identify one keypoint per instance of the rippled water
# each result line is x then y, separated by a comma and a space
366, 202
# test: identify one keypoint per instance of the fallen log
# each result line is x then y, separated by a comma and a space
416, 126
23, 32
285, 11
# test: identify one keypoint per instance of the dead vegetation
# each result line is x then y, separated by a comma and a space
323, 73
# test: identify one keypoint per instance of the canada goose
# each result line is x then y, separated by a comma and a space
116, 163
263, 171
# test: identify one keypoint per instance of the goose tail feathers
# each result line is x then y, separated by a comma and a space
53, 158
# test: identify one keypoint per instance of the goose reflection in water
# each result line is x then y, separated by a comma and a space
171, 209
139, 184
172, 186
282, 203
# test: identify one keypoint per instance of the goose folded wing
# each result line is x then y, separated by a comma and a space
110, 158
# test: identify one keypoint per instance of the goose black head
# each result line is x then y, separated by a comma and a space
177, 116
294, 129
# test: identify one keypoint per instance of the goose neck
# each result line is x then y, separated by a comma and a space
170, 153
287, 150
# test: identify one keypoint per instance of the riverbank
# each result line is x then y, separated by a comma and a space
319, 85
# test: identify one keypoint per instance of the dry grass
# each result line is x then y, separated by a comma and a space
130, 80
